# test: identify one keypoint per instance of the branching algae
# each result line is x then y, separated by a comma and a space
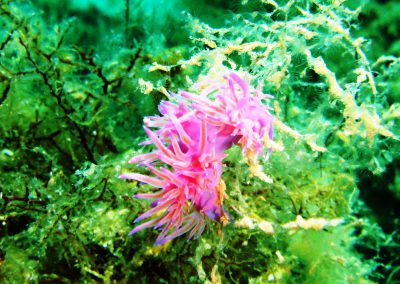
76, 84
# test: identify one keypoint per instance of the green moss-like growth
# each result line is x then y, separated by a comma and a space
324, 257
75, 84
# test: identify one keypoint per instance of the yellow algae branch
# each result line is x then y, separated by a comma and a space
249, 223
352, 112
312, 223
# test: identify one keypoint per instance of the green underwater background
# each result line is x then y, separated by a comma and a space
78, 77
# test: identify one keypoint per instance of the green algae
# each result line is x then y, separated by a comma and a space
75, 84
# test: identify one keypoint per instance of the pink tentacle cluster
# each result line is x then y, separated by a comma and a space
190, 138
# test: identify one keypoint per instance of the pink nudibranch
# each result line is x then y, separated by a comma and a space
190, 138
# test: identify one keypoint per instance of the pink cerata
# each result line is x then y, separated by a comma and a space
190, 137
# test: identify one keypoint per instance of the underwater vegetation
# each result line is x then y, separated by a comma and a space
79, 80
